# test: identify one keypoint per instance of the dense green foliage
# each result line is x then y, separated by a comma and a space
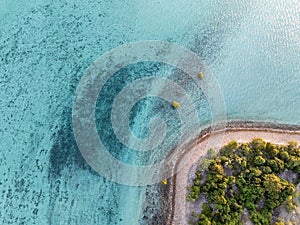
246, 176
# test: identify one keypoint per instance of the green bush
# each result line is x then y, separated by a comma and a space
259, 160
255, 183
229, 148
204, 220
271, 150
211, 153
276, 165
279, 223
258, 144
284, 155
204, 163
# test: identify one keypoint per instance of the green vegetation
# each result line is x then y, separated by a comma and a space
246, 176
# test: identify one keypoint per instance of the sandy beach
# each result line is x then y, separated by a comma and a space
239, 131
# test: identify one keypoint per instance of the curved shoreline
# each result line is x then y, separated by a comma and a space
242, 131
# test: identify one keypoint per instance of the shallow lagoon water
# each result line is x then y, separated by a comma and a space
253, 49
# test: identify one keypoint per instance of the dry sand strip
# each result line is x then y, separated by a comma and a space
242, 133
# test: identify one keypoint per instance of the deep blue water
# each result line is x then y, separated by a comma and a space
252, 48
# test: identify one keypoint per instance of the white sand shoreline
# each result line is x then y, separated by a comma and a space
179, 182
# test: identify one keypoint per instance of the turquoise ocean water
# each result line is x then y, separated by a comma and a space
252, 48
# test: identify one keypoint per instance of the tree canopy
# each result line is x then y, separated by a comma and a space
246, 176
